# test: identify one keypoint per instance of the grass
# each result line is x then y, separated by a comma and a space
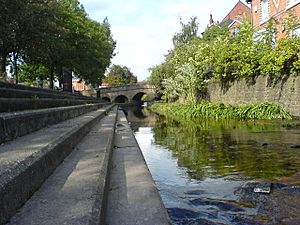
207, 110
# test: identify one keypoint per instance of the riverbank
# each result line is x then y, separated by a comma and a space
207, 110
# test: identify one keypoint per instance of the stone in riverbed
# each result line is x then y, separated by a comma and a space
264, 188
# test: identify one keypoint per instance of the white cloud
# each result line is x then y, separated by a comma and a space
143, 29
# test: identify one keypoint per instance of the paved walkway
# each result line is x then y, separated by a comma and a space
133, 198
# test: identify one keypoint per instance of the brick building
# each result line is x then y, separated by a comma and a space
236, 15
79, 85
264, 10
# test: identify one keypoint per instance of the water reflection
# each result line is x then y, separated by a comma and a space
200, 167
233, 150
139, 116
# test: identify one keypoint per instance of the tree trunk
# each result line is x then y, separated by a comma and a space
3, 66
60, 78
15, 63
52, 78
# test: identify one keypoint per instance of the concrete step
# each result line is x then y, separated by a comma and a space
133, 198
16, 124
20, 93
19, 104
75, 193
35, 92
26, 162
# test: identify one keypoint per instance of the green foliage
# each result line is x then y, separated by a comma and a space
183, 85
283, 60
119, 75
290, 23
158, 74
187, 33
206, 110
236, 56
54, 34
214, 32
226, 58
32, 74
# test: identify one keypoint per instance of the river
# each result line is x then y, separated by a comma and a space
207, 171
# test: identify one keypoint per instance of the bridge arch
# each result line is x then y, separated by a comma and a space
138, 98
106, 99
121, 99
132, 94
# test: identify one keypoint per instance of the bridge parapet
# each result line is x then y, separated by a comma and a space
131, 93
125, 88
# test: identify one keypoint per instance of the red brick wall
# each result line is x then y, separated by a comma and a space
79, 86
239, 11
277, 9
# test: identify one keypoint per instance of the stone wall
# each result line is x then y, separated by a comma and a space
285, 92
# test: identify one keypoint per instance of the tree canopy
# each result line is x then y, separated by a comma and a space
52, 34
195, 61
119, 75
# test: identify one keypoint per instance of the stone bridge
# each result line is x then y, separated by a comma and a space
131, 94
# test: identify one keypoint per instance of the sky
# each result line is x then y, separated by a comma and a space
143, 29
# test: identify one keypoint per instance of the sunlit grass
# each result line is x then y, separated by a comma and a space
207, 110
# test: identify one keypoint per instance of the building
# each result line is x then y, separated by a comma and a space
264, 10
236, 16
79, 85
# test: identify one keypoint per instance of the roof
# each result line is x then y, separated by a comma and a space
229, 23
226, 23
238, 3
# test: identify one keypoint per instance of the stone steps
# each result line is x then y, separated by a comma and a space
104, 180
19, 104
20, 91
76, 192
26, 162
16, 124
55, 153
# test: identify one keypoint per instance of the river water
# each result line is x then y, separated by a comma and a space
206, 171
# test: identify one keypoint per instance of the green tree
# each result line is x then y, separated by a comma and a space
33, 74
119, 75
188, 32
291, 22
213, 32
24, 24
158, 74
183, 85
54, 34
185, 43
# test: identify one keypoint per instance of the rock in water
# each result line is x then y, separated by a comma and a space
263, 188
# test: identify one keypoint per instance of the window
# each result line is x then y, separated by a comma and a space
295, 32
261, 35
234, 31
264, 10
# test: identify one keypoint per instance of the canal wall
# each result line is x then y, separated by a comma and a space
285, 92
